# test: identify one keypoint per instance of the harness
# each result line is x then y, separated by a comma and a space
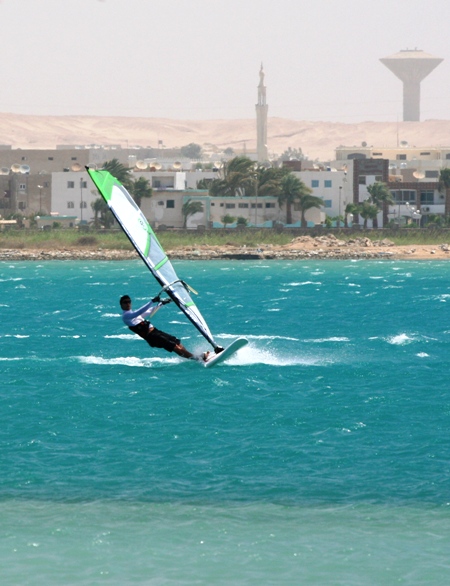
142, 329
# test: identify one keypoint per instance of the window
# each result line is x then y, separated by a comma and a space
230, 206
404, 195
83, 184
70, 205
432, 174
258, 206
242, 205
401, 157
24, 158
377, 154
378, 178
83, 204
427, 197
315, 183
70, 184
22, 187
50, 158
362, 180
170, 203
424, 154
447, 156
328, 203
328, 183
270, 205
73, 158
21, 205
160, 203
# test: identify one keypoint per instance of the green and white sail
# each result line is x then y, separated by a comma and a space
144, 240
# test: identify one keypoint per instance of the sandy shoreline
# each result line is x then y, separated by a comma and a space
304, 247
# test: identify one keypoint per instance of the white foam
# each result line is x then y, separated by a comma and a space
400, 340
132, 361
255, 337
303, 283
321, 340
250, 355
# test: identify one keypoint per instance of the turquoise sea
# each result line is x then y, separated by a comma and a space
319, 455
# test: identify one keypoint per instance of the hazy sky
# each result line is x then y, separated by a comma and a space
200, 59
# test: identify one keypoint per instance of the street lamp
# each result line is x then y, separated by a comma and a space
256, 196
414, 213
40, 187
81, 200
339, 212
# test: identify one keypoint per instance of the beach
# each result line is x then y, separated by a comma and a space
303, 247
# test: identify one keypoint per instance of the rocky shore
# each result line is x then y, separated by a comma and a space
303, 247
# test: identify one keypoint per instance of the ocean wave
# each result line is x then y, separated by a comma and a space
302, 283
256, 337
132, 361
249, 355
332, 339
401, 339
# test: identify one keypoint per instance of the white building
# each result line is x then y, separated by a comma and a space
72, 194
332, 186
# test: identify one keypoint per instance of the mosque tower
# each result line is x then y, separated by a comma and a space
261, 120
411, 66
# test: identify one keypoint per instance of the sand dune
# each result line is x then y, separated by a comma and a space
317, 139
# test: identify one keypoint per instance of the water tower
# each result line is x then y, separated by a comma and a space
411, 66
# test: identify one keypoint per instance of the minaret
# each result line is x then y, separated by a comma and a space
261, 120
411, 66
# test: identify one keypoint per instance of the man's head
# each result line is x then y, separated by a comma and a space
125, 302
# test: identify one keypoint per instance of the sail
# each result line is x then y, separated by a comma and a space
141, 235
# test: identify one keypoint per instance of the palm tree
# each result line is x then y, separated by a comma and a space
367, 211
270, 180
307, 202
100, 208
140, 189
120, 172
292, 190
381, 196
190, 208
238, 175
350, 208
444, 185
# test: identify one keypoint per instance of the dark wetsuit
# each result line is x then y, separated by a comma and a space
156, 338
143, 328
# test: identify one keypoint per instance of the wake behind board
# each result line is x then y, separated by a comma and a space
229, 351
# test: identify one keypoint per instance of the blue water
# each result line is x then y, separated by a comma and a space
320, 454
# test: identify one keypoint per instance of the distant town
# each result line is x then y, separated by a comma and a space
364, 185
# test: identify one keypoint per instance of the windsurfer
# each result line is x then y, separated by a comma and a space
143, 328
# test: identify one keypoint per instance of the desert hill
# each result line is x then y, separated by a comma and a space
317, 139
